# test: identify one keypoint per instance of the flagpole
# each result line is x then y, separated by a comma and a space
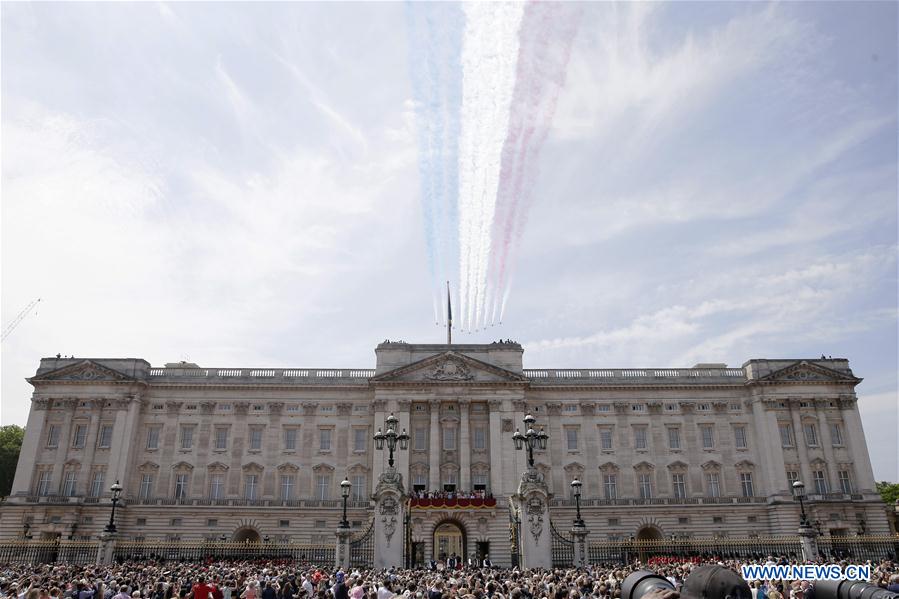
449, 316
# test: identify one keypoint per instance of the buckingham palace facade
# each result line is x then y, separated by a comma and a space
244, 454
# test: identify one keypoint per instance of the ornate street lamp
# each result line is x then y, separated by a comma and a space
576, 491
530, 439
26, 534
799, 493
391, 438
345, 486
116, 490
223, 538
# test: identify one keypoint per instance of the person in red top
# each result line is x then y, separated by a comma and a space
201, 590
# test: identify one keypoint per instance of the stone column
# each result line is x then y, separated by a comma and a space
434, 439
464, 447
390, 511
531, 503
801, 449
767, 443
83, 484
592, 480
855, 438
34, 434
379, 458
106, 549
579, 534
558, 446
833, 484
808, 539
124, 429
65, 440
342, 549
403, 412
496, 447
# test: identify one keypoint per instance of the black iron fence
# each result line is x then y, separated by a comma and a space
362, 548
23, 551
562, 548
223, 550
871, 547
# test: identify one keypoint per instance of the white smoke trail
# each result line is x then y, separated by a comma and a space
489, 59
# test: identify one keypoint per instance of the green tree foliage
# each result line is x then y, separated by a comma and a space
889, 491
10, 444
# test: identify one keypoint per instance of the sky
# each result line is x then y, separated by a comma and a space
237, 185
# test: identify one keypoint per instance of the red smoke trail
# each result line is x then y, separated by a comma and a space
545, 38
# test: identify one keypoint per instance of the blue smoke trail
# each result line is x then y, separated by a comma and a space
435, 35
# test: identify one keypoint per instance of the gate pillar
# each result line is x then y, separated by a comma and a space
579, 534
390, 514
106, 548
531, 506
342, 550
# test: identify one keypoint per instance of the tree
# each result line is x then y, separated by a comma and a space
889, 491
10, 444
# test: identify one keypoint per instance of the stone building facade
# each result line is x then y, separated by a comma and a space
243, 453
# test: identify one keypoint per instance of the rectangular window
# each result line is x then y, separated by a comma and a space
255, 439
605, 439
845, 481
610, 484
187, 437
786, 435
43, 483
419, 482
420, 439
820, 482
740, 437
479, 482
251, 484
97, 483
640, 438
792, 477
323, 484
673, 438
836, 433
645, 486
811, 434
288, 482
146, 486
746, 484
221, 438
571, 438
53, 436
153, 437
712, 487
679, 486
480, 438
708, 436
324, 439
181, 486
290, 439
360, 439
68, 486
104, 439
80, 435
449, 439
217, 486
360, 492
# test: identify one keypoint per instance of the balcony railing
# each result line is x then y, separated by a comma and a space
634, 375
598, 502
266, 375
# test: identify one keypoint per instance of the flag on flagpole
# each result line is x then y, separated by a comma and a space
449, 316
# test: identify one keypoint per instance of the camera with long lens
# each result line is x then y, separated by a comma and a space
704, 582
717, 582
851, 589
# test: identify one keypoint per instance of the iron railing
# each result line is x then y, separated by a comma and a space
562, 548
871, 547
362, 548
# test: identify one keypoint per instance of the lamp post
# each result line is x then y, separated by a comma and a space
391, 438
799, 493
26, 534
116, 490
345, 486
576, 491
531, 439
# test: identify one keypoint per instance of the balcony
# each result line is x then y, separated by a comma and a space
455, 503
596, 502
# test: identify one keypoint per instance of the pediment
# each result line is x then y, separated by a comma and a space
807, 372
86, 371
217, 466
449, 367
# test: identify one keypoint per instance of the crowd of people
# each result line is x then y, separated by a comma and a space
476, 494
288, 580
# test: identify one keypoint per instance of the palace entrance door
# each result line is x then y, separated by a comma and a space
448, 540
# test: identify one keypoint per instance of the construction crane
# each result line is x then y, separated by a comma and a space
19, 318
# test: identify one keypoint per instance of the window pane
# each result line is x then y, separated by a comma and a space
708, 437
712, 487
480, 438
610, 482
571, 437
740, 437
811, 434
836, 434
105, 439
324, 440
786, 435
640, 438
674, 438
256, 439
290, 439
449, 439
421, 439
360, 440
